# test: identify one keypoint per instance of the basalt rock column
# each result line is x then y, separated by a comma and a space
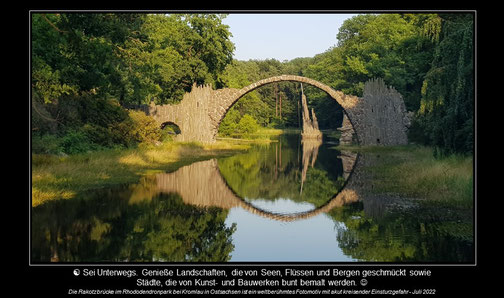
310, 127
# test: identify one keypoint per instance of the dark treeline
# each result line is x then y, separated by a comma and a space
85, 67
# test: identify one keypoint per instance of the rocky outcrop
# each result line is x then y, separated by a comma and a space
310, 126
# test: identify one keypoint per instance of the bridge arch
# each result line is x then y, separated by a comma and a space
228, 97
172, 126
380, 116
202, 184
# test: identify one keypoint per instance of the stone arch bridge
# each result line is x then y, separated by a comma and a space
377, 118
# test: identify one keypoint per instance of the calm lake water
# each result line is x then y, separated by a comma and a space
289, 201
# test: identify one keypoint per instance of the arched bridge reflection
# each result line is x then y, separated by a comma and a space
202, 184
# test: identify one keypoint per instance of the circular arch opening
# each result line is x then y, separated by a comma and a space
341, 100
169, 130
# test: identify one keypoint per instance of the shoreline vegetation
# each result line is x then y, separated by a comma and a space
261, 136
414, 171
62, 177
409, 170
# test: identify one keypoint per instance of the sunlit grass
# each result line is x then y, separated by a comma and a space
269, 132
132, 159
414, 171
221, 145
447, 179
43, 196
55, 177
263, 135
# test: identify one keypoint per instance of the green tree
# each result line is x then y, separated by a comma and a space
446, 114
264, 104
389, 46
137, 128
76, 70
247, 125
237, 75
133, 57
85, 60
210, 43
183, 49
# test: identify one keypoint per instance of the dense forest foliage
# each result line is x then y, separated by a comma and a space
87, 67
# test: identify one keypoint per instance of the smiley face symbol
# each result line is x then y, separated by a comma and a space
76, 272
363, 282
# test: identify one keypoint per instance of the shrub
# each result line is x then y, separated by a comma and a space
99, 135
229, 123
45, 144
247, 125
145, 128
137, 128
102, 112
76, 142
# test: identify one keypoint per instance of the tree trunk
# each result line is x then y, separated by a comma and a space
280, 105
276, 100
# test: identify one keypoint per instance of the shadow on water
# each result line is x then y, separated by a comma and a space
193, 214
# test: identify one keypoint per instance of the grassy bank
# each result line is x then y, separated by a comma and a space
55, 177
413, 171
262, 135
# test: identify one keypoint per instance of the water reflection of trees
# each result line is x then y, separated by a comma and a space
110, 227
368, 227
391, 228
402, 236
282, 170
